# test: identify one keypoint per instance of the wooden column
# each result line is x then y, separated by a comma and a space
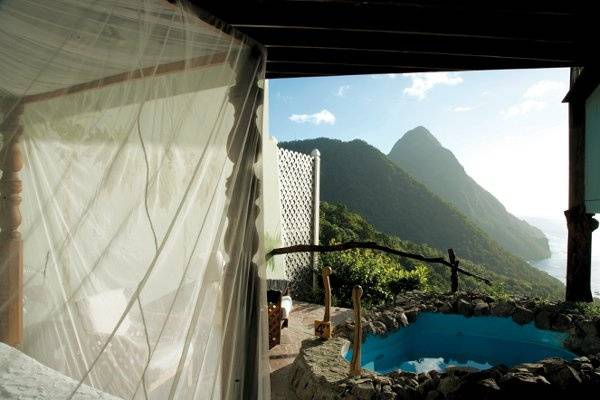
11, 243
580, 224
242, 292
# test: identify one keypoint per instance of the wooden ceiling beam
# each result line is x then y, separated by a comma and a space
421, 61
532, 7
481, 21
415, 44
295, 70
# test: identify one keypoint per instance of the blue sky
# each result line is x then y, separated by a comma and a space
508, 128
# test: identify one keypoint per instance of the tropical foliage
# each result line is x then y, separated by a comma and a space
382, 275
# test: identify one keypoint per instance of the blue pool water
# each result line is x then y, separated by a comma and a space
436, 341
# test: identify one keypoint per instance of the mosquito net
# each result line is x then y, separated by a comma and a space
132, 263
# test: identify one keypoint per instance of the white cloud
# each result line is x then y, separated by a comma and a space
463, 108
342, 90
536, 97
322, 117
543, 89
424, 82
524, 107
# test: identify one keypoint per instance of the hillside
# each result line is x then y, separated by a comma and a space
339, 224
366, 181
420, 155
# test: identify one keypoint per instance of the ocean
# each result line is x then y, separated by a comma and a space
556, 265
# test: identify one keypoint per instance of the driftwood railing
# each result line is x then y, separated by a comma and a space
452, 261
355, 369
323, 328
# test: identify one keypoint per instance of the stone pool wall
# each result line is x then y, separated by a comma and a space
321, 373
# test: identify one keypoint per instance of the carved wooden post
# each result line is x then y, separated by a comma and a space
323, 328
242, 292
454, 274
11, 243
355, 369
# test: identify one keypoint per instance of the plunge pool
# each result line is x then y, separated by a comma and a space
436, 341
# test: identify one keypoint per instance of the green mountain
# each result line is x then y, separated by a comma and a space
420, 154
368, 182
338, 225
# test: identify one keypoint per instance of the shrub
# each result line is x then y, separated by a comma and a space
381, 276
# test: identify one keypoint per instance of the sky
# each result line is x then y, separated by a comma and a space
507, 128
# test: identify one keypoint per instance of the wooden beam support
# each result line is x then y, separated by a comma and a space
579, 222
148, 72
402, 60
410, 43
294, 69
466, 19
11, 243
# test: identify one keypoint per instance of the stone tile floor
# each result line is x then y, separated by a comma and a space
301, 326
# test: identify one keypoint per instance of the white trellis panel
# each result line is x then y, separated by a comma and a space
296, 188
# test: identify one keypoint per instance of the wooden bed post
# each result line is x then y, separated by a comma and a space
11, 243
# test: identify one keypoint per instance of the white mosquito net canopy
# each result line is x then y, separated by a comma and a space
132, 264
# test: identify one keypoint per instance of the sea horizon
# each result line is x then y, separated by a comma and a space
555, 229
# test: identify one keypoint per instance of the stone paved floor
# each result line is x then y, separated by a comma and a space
301, 326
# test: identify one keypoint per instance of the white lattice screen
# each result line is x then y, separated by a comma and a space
296, 188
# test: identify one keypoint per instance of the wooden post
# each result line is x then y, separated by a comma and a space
323, 328
454, 273
316, 212
11, 243
355, 369
580, 224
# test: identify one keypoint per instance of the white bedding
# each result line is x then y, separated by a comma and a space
23, 378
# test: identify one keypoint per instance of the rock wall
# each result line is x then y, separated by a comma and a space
321, 373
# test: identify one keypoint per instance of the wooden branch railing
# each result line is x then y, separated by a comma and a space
314, 248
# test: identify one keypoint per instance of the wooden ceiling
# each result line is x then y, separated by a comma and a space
339, 37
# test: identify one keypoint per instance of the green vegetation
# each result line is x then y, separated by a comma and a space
379, 274
384, 275
420, 155
368, 182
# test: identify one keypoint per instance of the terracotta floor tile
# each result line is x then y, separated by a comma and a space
300, 327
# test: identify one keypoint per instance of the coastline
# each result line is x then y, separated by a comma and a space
556, 232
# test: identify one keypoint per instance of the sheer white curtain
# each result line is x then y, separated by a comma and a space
139, 128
